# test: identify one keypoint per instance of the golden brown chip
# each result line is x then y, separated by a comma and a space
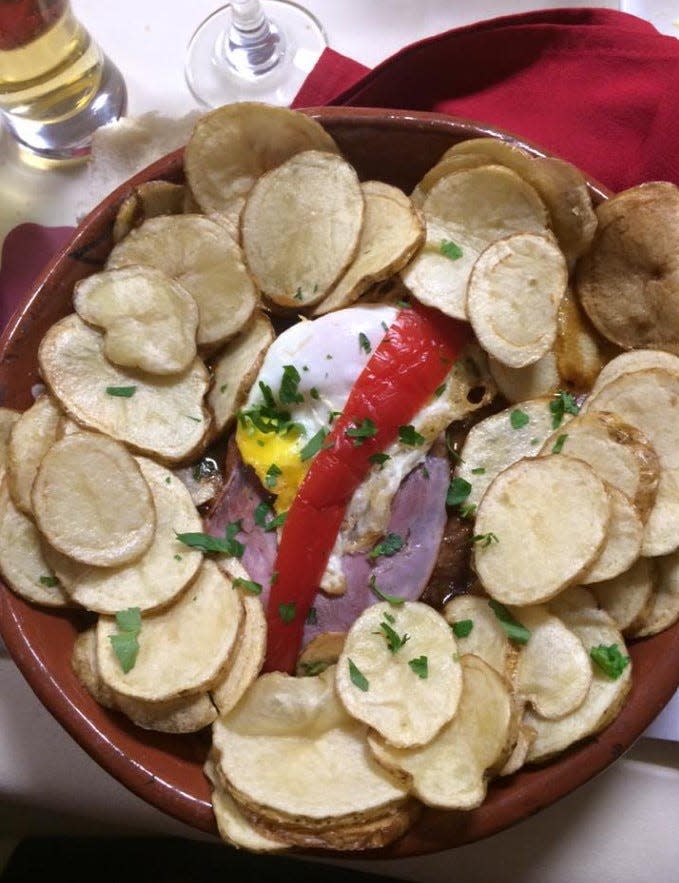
30, 438
8, 417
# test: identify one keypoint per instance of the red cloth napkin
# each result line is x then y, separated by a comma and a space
594, 86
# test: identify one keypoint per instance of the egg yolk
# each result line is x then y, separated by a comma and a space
276, 460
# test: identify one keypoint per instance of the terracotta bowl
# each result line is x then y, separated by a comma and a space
397, 147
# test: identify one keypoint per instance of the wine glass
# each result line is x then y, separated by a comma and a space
253, 50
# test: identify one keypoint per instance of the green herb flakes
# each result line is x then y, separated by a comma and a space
393, 639
563, 403
559, 443
121, 392
518, 418
450, 249
485, 539
512, 627
125, 643
458, 491
394, 600
314, 445
463, 628
408, 435
364, 343
287, 612
420, 666
358, 679
610, 660
389, 546
272, 475
362, 430
249, 585
226, 545
49, 580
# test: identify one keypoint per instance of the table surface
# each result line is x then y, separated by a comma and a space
621, 826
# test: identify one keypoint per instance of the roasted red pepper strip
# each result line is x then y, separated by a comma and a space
410, 362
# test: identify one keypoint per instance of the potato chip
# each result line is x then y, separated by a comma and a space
451, 771
663, 608
520, 384
391, 234
205, 260
635, 360
622, 546
539, 527
8, 417
149, 321
581, 352
398, 674
628, 598
91, 501
183, 649
300, 227
84, 665
247, 657
160, 574
163, 417
320, 653
148, 200
448, 163
478, 632
31, 436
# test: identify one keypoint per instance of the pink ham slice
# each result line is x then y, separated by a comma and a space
418, 516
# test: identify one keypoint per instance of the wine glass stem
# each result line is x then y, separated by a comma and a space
252, 45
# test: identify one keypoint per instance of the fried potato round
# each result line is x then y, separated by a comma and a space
649, 400
202, 256
234, 145
520, 384
235, 369
663, 609
300, 227
290, 751
405, 657
581, 352
465, 212
31, 436
513, 296
91, 501
247, 658
163, 417
619, 453
84, 665
448, 163
553, 671
622, 546
628, 281
22, 564
149, 321
634, 360
606, 695
203, 480
539, 527
484, 636
183, 649
160, 574
452, 770
392, 232
498, 441
628, 598
148, 200
320, 653
524, 739
8, 417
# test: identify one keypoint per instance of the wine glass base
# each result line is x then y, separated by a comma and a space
213, 81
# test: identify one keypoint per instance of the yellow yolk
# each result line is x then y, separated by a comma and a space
267, 452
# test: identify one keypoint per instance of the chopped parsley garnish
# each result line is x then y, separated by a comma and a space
314, 393
121, 392
289, 393
272, 475
468, 511
462, 628
387, 547
49, 581
518, 418
512, 627
268, 416
458, 491
364, 343
610, 660
314, 445
393, 639
480, 470
358, 679
287, 612
226, 545
420, 666
249, 585
379, 459
394, 600
298, 294
311, 617
223, 387
262, 513
359, 432
311, 669
125, 643
438, 392
559, 443
563, 403
408, 435
450, 249
485, 539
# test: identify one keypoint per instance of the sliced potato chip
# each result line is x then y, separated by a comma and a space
606, 694
163, 417
539, 527
235, 369
628, 281
392, 232
525, 738
8, 417
161, 573
649, 400
301, 226
84, 664
29, 440
92, 502
498, 441
205, 260
203, 480
513, 296
635, 360
622, 546
22, 564
465, 212
247, 658
553, 671
448, 163
233, 145
451, 771
148, 200
149, 320
619, 453
485, 637
628, 598
581, 352
520, 384
663, 609
397, 672
320, 653
183, 649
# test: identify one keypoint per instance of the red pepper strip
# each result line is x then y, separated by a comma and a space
410, 362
